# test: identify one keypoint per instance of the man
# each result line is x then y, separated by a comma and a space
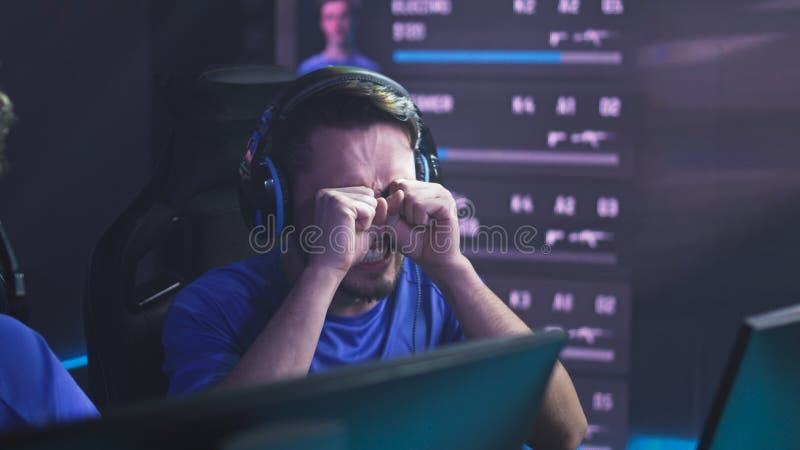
337, 22
383, 240
35, 389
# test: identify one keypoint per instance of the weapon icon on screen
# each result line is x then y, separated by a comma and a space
556, 37
590, 237
596, 37
593, 430
591, 137
556, 137
552, 237
588, 334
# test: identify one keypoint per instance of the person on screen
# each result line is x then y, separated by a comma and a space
348, 154
337, 23
35, 389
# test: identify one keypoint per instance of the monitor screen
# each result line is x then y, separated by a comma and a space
758, 401
473, 395
533, 109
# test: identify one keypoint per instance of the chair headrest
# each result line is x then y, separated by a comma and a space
213, 116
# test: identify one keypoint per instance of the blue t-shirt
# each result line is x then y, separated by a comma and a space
35, 389
215, 319
319, 61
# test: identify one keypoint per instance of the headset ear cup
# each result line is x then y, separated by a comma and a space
428, 162
264, 197
274, 199
435, 168
284, 195
419, 165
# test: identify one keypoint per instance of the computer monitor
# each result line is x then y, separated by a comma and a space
473, 395
758, 401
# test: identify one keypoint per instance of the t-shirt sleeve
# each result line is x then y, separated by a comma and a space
199, 348
35, 389
311, 64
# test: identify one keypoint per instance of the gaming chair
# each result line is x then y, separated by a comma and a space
184, 222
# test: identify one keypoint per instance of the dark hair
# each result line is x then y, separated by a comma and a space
351, 4
353, 104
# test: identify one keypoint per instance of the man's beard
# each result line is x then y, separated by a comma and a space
373, 289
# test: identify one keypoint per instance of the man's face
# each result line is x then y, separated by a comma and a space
370, 157
335, 21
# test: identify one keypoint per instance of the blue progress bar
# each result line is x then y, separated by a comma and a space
479, 56
75, 363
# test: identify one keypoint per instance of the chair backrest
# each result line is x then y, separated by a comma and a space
183, 223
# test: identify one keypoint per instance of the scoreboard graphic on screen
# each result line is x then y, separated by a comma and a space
528, 128
523, 37
532, 110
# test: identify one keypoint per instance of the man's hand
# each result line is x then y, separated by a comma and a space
286, 345
343, 215
425, 220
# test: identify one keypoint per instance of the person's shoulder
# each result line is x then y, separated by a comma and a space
27, 342
251, 273
12, 330
361, 60
313, 63
237, 283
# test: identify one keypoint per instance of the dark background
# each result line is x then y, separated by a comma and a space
718, 190
79, 74
717, 182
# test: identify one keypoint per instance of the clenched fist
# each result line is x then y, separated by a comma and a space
425, 222
342, 217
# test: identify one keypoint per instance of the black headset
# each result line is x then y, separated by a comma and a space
264, 188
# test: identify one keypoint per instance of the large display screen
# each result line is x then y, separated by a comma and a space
533, 115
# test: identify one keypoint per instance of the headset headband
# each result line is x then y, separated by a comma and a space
264, 189
328, 77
